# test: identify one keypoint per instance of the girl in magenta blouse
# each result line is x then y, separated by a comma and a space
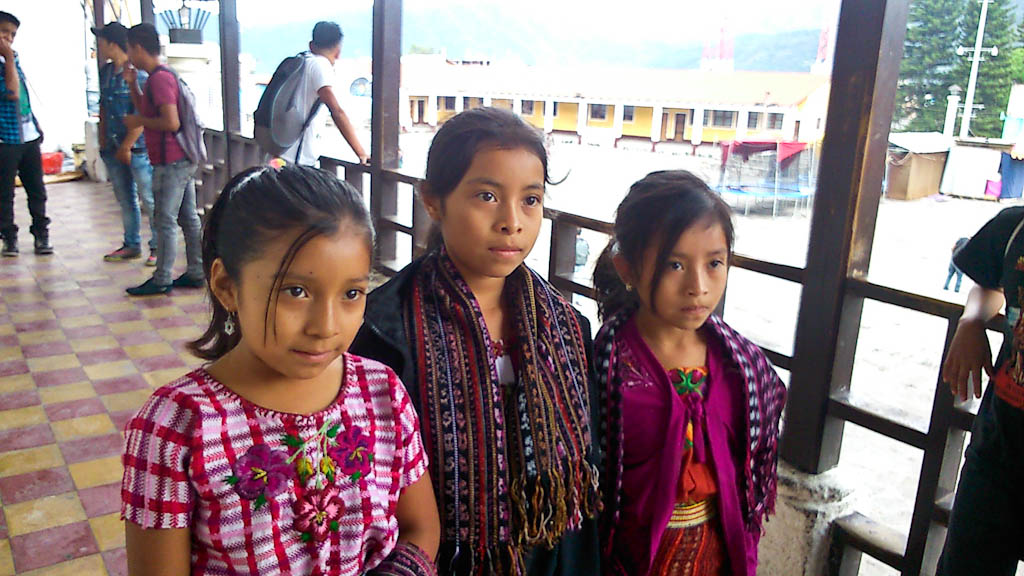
690, 409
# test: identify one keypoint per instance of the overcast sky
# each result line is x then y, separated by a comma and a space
694, 18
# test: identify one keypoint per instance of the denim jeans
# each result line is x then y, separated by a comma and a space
132, 183
954, 271
174, 197
22, 160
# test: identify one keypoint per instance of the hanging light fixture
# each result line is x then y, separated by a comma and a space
184, 16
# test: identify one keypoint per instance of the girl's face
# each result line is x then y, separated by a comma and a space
694, 279
320, 302
491, 220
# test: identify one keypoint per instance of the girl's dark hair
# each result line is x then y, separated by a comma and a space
258, 206
656, 212
460, 138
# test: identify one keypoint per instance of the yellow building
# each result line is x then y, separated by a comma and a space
605, 104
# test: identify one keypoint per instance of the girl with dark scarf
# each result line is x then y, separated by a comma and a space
495, 361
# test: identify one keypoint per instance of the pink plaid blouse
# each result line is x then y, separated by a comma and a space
265, 492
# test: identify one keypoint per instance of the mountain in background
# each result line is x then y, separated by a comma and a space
488, 32
482, 33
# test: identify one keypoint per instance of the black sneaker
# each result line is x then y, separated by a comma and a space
42, 244
149, 288
10, 247
186, 281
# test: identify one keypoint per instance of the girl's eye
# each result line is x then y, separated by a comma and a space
717, 263
353, 294
675, 266
486, 196
533, 201
296, 291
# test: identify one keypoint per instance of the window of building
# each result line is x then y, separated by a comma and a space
554, 109
448, 102
753, 120
775, 121
627, 113
528, 107
598, 112
721, 118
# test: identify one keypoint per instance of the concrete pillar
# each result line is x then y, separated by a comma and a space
620, 110
517, 106
460, 103
405, 105
952, 105
487, 101
788, 124
795, 541
656, 123
432, 110
741, 124
582, 113
549, 115
697, 126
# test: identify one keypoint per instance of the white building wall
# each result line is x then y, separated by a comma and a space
52, 46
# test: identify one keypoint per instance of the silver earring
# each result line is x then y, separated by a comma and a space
629, 287
229, 324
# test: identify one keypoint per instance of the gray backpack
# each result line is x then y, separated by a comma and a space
278, 121
190, 127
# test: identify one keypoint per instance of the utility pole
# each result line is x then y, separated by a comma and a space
965, 125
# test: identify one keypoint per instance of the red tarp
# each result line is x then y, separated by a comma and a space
786, 150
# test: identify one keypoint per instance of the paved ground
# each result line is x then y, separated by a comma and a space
77, 358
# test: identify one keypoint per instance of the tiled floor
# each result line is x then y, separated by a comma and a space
77, 358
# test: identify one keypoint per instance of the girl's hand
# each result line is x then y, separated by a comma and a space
417, 517
969, 354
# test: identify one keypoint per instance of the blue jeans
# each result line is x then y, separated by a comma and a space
174, 196
953, 271
131, 183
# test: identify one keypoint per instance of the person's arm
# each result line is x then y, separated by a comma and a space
418, 521
164, 552
102, 126
131, 76
11, 80
969, 353
167, 121
124, 152
342, 122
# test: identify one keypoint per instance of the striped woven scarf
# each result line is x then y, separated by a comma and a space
510, 470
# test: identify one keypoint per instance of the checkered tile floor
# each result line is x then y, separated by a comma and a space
77, 358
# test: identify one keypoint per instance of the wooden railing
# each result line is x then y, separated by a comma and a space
941, 441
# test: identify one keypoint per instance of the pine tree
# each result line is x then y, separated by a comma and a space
996, 75
929, 61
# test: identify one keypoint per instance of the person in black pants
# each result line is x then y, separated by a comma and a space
20, 137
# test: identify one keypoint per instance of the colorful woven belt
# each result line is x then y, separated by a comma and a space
689, 515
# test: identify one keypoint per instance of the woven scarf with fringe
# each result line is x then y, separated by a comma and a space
510, 470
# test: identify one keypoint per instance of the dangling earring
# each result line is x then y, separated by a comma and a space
229, 324
629, 287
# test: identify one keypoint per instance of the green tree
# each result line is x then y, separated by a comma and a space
996, 75
929, 61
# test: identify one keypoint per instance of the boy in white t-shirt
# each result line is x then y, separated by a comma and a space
325, 48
